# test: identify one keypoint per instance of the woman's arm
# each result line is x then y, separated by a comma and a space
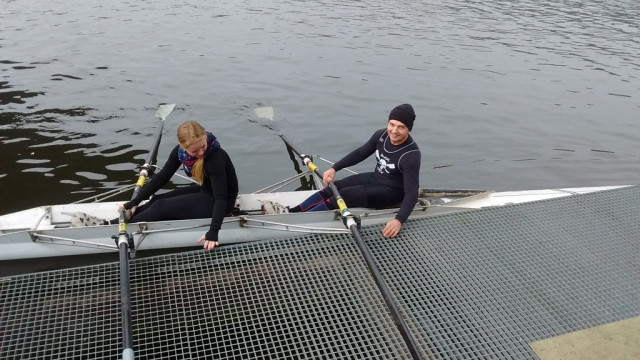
216, 167
158, 180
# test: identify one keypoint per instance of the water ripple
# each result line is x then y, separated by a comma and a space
497, 86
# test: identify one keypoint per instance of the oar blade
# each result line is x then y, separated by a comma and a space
265, 112
164, 110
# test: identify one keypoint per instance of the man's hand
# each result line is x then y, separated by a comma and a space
392, 228
208, 244
328, 176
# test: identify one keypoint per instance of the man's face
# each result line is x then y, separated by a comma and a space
398, 132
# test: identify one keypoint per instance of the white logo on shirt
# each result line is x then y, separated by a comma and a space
383, 163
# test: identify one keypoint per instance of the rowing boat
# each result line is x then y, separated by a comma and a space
45, 231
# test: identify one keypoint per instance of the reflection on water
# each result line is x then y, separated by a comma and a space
509, 94
31, 140
15, 97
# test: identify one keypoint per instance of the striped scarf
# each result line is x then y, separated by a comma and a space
188, 160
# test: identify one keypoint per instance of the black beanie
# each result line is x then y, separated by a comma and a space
403, 113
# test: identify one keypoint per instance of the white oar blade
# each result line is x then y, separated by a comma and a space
264, 112
164, 110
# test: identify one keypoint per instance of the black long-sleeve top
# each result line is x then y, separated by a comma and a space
398, 166
220, 180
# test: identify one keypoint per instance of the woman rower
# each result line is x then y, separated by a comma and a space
200, 155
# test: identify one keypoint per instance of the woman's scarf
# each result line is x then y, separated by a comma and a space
188, 160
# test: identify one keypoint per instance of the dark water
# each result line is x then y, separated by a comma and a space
509, 94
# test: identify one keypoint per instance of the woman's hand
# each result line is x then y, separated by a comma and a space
392, 228
133, 208
328, 176
127, 213
208, 244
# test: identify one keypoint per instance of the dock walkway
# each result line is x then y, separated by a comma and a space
481, 284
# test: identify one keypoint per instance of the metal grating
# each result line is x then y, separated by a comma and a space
484, 284
471, 285
295, 298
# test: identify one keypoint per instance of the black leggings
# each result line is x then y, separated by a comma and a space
361, 190
358, 190
179, 204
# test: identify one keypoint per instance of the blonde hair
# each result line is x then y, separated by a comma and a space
190, 132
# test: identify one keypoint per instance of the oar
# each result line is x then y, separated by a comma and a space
125, 240
267, 113
163, 111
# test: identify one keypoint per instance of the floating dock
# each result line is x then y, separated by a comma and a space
497, 283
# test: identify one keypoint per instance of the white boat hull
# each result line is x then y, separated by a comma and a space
45, 232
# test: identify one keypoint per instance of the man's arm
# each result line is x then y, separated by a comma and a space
359, 154
410, 167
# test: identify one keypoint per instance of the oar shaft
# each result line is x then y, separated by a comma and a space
377, 275
305, 158
125, 289
351, 224
144, 169
156, 145
125, 296
163, 111
386, 294
368, 258
125, 243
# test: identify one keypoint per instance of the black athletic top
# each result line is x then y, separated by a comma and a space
223, 185
398, 167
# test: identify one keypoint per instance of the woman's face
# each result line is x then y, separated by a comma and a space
198, 148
